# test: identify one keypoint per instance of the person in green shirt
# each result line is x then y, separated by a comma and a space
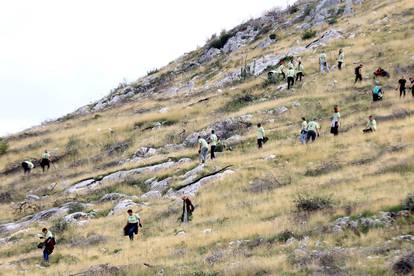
313, 130
45, 162
371, 125
299, 71
280, 71
48, 244
290, 77
335, 123
341, 58
213, 144
203, 149
133, 223
260, 136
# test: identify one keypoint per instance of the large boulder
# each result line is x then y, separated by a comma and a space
209, 55
145, 152
240, 39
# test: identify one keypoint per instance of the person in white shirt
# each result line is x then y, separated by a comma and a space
213, 144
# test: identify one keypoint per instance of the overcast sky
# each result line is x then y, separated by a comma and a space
56, 55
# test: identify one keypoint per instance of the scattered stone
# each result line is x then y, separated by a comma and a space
122, 206
77, 217
152, 195
145, 152
214, 258
207, 231
101, 269
112, 197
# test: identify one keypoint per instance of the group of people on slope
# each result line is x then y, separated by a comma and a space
203, 146
294, 72
323, 61
45, 162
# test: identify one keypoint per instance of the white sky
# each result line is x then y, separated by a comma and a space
56, 55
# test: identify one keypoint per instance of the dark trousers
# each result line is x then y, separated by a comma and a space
402, 91
130, 229
46, 255
376, 97
283, 75
260, 143
299, 76
339, 65
26, 167
311, 135
358, 77
212, 152
45, 163
290, 81
367, 130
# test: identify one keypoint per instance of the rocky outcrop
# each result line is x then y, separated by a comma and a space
40, 216
224, 129
119, 176
78, 217
240, 39
325, 38
122, 206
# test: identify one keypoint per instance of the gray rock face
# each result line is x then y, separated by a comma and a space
259, 65
240, 39
266, 43
233, 140
145, 152
224, 129
77, 217
122, 206
116, 177
160, 186
325, 38
209, 55
191, 190
112, 197
40, 216
151, 195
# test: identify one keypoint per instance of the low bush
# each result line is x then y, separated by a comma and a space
72, 146
59, 226
77, 207
293, 9
4, 146
239, 102
308, 34
273, 36
152, 71
308, 10
408, 203
220, 41
309, 203
332, 20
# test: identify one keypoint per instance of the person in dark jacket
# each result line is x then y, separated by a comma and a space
48, 244
27, 166
45, 163
358, 73
133, 223
188, 209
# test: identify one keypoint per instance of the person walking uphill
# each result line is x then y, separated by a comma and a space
290, 77
213, 144
341, 59
323, 64
358, 73
132, 226
203, 149
188, 209
313, 131
260, 136
335, 121
45, 163
299, 71
371, 125
27, 166
48, 244
401, 82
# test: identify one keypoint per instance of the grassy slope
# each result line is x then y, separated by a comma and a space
238, 213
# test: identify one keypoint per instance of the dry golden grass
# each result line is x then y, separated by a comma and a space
367, 178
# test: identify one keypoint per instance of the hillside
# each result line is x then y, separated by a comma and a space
342, 205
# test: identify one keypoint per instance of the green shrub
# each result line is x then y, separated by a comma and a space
408, 203
273, 36
308, 10
77, 207
239, 102
293, 9
309, 203
72, 146
332, 20
59, 226
220, 41
4, 146
308, 34
152, 71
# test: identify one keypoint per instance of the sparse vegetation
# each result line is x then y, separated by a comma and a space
3, 147
310, 203
308, 34
219, 42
